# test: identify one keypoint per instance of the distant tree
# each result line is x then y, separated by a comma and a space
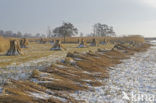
49, 33
19, 35
27, 35
1, 32
43, 35
8, 33
14, 35
66, 30
103, 30
38, 35
81, 35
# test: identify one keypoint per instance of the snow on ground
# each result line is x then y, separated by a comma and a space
133, 81
42, 95
23, 71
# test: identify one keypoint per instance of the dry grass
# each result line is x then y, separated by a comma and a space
4, 44
63, 78
136, 38
36, 51
20, 92
78, 71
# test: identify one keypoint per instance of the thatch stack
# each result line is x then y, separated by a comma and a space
35, 73
14, 48
57, 46
104, 41
73, 55
42, 41
121, 47
93, 43
82, 44
78, 40
69, 60
24, 43
117, 47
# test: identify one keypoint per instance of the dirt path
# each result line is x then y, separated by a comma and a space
132, 81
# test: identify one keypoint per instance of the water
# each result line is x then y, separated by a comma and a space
133, 81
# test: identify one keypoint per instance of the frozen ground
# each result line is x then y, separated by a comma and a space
133, 81
23, 71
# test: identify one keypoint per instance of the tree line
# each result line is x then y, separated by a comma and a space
67, 29
10, 33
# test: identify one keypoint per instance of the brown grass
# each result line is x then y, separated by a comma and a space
63, 78
4, 44
136, 38
19, 92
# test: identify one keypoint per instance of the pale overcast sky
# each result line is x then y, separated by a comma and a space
126, 16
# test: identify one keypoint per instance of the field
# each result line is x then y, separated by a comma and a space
44, 76
36, 51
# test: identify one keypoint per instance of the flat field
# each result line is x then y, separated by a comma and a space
36, 52
74, 75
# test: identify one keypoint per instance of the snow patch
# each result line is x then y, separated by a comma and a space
137, 74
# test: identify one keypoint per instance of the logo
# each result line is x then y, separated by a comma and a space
125, 96
138, 97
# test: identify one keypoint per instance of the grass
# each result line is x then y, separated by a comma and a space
36, 51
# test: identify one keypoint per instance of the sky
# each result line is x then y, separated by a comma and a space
34, 16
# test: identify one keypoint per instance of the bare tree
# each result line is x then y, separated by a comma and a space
38, 35
8, 33
81, 35
103, 30
49, 32
1, 32
19, 35
27, 35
